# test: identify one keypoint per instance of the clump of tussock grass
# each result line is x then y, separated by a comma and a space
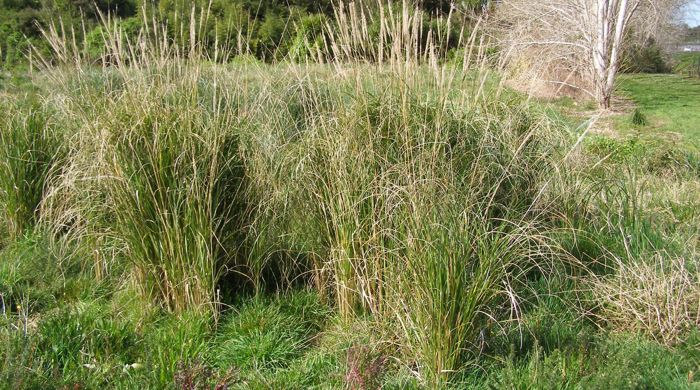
157, 156
638, 118
31, 152
416, 200
658, 297
174, 202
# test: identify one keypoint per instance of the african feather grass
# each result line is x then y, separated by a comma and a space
31, 150
174, 200
156, 159
415, 202
406, 188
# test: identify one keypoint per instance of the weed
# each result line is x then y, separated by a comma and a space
631, 363
264, 335
172, 344
638, 118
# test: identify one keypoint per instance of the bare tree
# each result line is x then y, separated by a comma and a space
610, 22
578, 42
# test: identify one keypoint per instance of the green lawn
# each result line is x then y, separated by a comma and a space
670, 102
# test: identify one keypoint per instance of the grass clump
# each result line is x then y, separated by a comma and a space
660, 297
408, 194
175, 201
31, 151
638, 118
417, 219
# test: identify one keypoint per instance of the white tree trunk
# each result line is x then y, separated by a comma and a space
611, 15
583, 37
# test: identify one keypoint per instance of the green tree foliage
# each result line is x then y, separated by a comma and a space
17, 21
645, 58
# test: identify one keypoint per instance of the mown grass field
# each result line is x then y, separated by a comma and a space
670, 102
174, 222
